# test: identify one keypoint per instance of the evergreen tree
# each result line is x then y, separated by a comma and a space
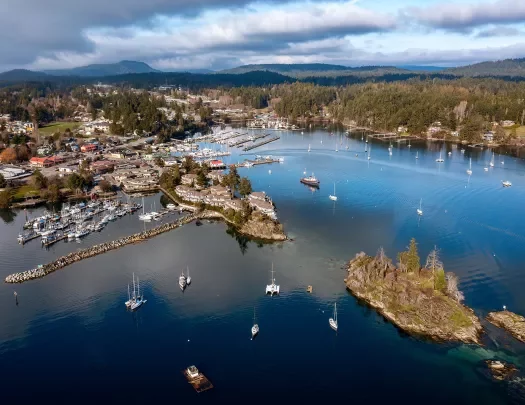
245, 186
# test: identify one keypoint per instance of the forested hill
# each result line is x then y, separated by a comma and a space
507, 67
302, 70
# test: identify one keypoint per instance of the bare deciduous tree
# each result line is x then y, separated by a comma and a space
453, 289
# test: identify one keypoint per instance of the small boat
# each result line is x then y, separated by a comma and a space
333, 321
462, 150
440, 159
128, 302
469, 171
491, 164
506, 183
272, 288
171, 207
182, 281
333, 197
309, 148
310, 181
188, 278
409, 144
369, 152
255, 327
49, 236
420, 209
138, 299
450, 153
81, 232
486, 169
417, 155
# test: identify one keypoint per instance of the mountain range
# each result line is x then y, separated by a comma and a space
320, 73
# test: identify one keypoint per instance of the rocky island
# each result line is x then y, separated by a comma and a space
511, 322
421, 301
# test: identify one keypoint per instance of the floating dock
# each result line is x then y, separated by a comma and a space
52, 242
275, 138
197, 380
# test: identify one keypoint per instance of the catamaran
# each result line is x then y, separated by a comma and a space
333, 321
417, 155
440, 159
333, 197
506, 183
469, 171
255, 327
272, 288
420, 209
492, 160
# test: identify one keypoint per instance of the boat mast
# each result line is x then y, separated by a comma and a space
134, 296
129, 296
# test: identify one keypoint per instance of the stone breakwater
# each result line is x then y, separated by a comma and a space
73, 257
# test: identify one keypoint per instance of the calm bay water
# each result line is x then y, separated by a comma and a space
70, 337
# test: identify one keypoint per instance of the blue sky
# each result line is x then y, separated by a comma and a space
217, 34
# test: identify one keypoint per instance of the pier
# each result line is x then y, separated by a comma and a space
275, 138
57, 239
73, 257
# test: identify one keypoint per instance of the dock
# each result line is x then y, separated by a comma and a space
57, 239
26, 239
275, 138
197, 380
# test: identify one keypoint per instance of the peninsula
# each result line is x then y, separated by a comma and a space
511, 322
420, 301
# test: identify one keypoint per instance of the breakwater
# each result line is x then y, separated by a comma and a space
73, 257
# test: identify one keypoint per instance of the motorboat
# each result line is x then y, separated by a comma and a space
310, 181
182, 281
506, 183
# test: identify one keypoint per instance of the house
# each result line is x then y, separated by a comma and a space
258, 195
507, 123
41, 162
263, 206
455, 134
101, 127
189, 179
88, 147
235, 205
67, 169
102, 166
217, 164
220, 191
488, 136
216, 176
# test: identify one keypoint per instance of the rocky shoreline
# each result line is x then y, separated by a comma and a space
511, 322
410, 301
73, 257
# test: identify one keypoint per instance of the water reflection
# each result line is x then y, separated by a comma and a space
7, 216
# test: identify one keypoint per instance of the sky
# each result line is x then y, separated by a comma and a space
219, 34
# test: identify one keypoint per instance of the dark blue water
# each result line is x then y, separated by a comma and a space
71, 338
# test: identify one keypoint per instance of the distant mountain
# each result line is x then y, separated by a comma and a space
99, 70
302, 70
197, 71
507, 67
22, 75
417, 68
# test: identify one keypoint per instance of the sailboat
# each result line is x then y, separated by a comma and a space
420, 209
440, 159
492, 160
137, 299
469, 171
417, 155
255, 327
336, 147
409, 144
128, 302
272, 288
182, 281
188, 278
333, 321
369, 151
309, 148
144, 216
333, 197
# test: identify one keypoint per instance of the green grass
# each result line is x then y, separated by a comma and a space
50, 129
25, 191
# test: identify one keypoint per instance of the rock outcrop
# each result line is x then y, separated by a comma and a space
410, 301
511, 322
262, 227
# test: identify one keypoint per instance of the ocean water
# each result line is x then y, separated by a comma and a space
71, 339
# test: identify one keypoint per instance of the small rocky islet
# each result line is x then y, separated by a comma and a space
420, 301
511, 322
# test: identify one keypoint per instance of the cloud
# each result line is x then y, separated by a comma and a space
461, 17
499, 32
33, 28
247, 31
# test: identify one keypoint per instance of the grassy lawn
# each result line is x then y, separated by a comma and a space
50, 129
25, 191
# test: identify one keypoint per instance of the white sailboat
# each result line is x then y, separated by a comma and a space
333, 321
409, 144
309, 148
440, 159
369, 152
272, 288
417, 155
255, 327
144, 216
188, 278
491, 164
469, 171
337, 150
333, 197
137, 299
420, 209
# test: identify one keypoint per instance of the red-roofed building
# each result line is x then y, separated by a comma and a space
217, 164
88, 147
46, 161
